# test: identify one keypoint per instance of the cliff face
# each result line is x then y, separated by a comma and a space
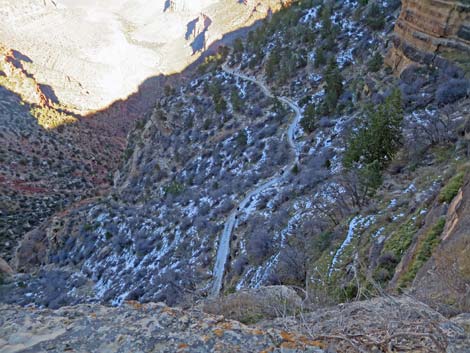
446, 277
429, 31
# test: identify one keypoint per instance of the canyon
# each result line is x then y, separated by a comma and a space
92, 53
232, 206
85, 72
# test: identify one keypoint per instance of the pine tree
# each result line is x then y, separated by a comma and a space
371, 148
308, 121
375, 18
379, 137
326, 24
320, 58
220, 105
238, 46
237, 102
272, 64
375, 64
334, 86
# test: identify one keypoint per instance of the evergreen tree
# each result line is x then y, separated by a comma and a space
220, 105
379, 137
375, 18
242, 138
238, 46
272, 63
334, 86
237, 102
375, 64
308, 121
374, 145
320, 58
326, 24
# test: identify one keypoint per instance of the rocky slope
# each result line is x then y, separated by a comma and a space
74, 156
428, 32
381, 325
445, 278
50, 158
215, 154
162, 223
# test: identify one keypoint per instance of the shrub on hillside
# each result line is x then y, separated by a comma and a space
375, 18
259, 246
449, 191
375, 64
308, 121
452, 91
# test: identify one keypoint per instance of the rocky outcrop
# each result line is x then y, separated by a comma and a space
137, 328
445, 280
12, 66
370, 326
428, 31
5, 269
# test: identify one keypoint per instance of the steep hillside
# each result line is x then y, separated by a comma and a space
71, 67
294, 158
444, 280
50, 158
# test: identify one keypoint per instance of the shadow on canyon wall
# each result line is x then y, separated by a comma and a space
91, 149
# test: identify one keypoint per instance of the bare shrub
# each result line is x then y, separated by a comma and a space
451, 91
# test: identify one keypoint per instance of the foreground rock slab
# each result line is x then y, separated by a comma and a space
134, 328
378, 325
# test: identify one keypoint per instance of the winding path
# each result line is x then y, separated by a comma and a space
224, 244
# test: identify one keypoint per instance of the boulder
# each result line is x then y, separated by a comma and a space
5, 269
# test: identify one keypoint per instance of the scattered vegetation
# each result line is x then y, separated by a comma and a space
211, 62
423, 253
174, 188
376, 63
375, 18
401, 239
51, 118
450, 190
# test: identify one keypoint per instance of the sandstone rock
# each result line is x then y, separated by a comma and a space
369, 326
31, 251
135, 328
5, 269
429, 28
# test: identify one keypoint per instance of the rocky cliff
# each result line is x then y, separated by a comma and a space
429, 31
446, 277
